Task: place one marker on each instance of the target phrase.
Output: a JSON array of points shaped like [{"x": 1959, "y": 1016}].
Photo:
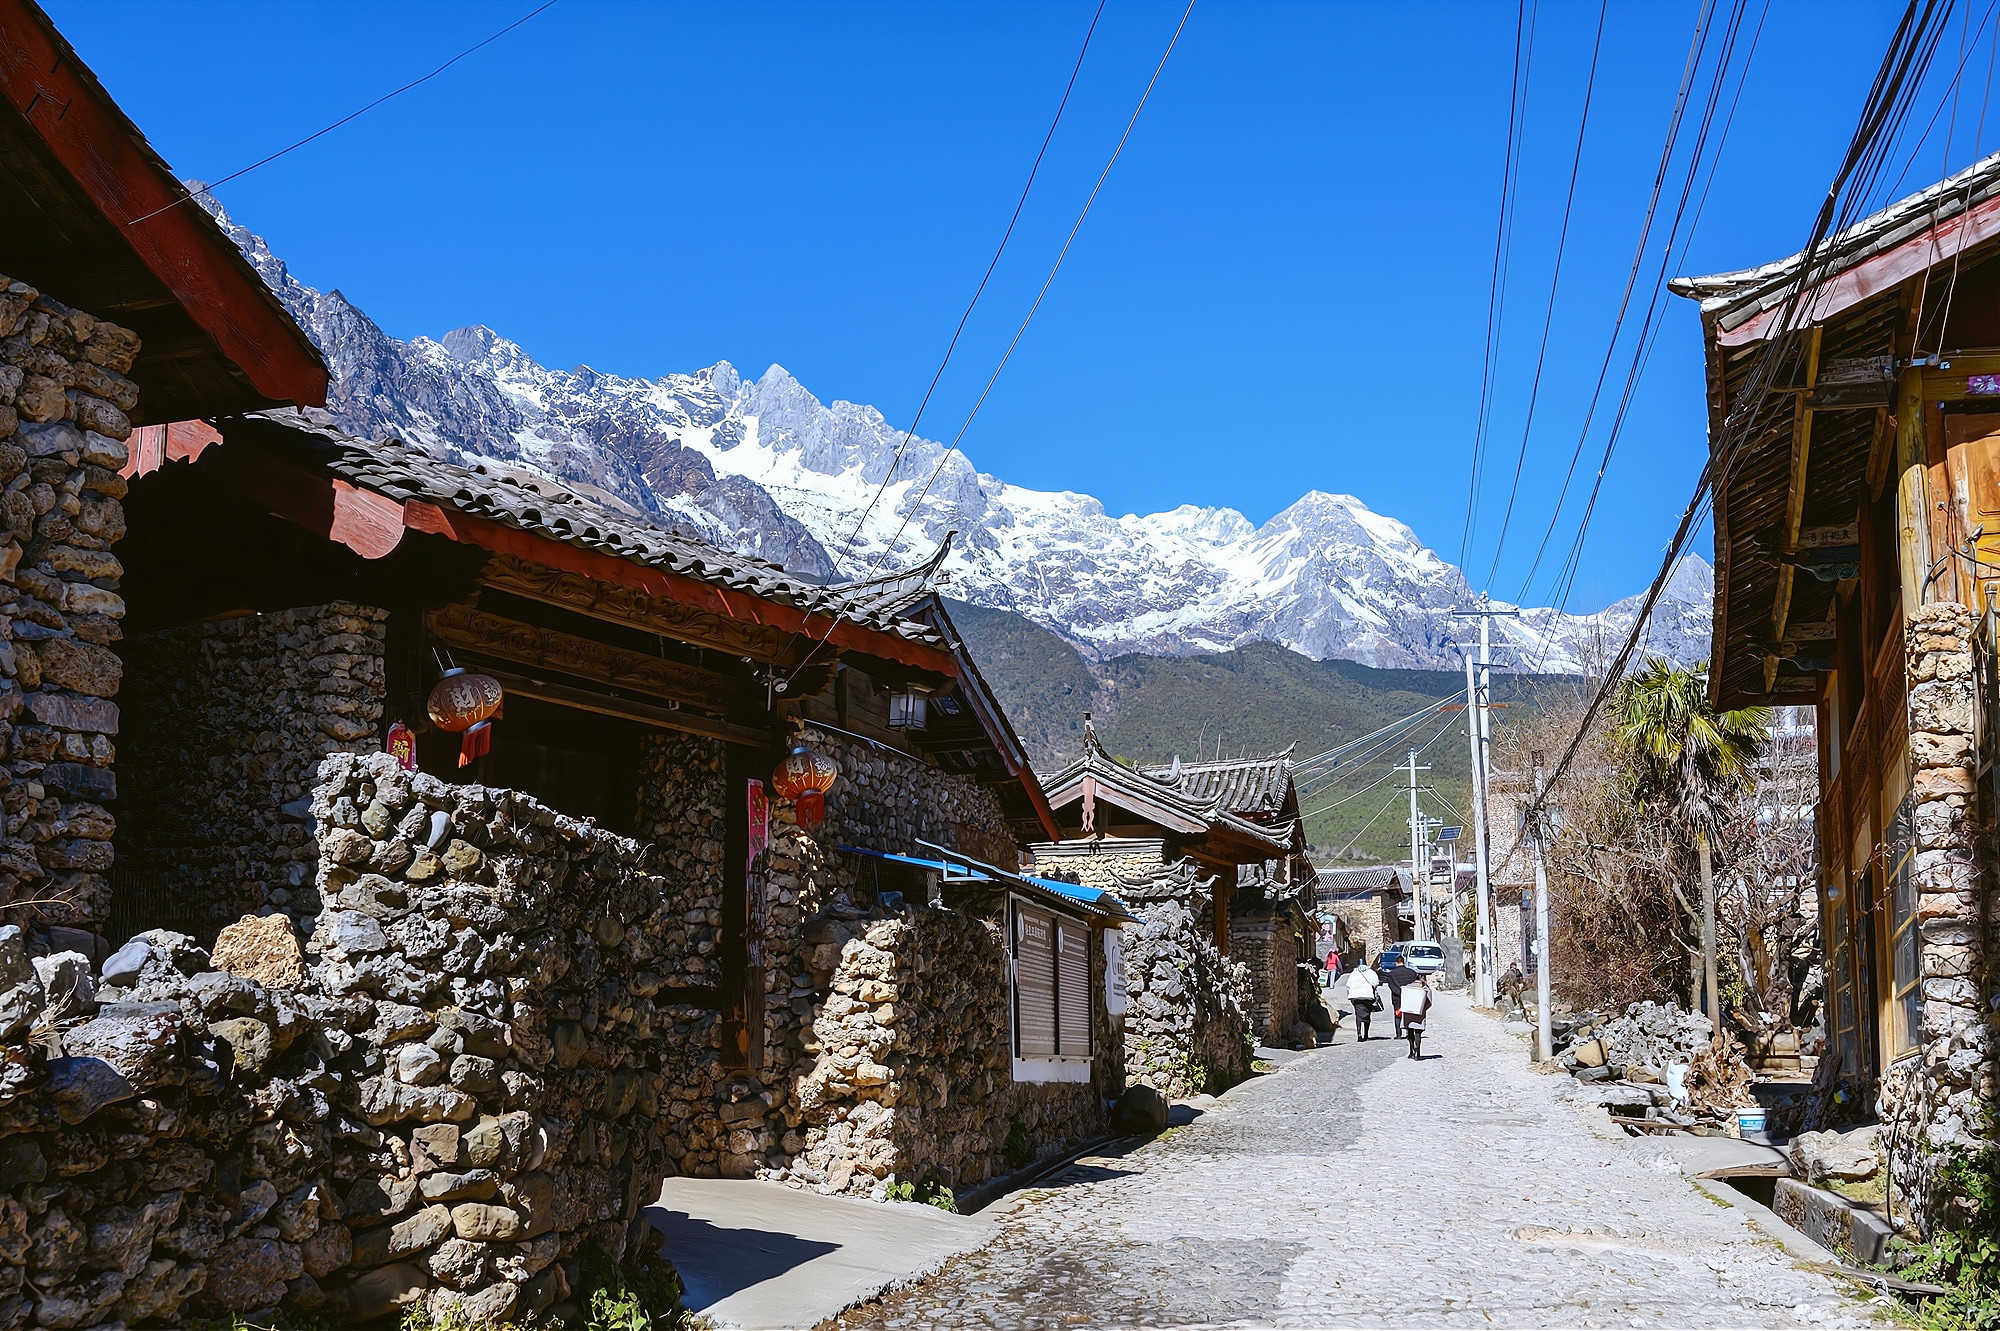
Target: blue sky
[{"x": 1282, "y": 287}]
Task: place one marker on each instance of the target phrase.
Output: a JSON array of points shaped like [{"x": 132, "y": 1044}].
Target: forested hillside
[{"x": 1257, "y": 699}]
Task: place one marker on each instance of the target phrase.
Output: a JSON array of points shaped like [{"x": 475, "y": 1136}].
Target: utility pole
[
  {"x": 1478, "y": 695},
  {"x": 1708, "y": 929},
  {"x": 1420, "y": 869},
  {"x": 1543, "y": 1043}
]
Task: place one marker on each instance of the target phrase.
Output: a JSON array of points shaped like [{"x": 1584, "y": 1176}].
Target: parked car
[
  {"x": 1390, "y": 955},
  {"x": 1423, "y": 958}
]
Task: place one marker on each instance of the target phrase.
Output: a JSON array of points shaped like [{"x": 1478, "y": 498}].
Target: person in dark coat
[{"x": 1395, "y": 979}]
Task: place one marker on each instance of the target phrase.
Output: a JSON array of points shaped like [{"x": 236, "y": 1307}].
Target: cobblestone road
[{"x": 1358, "y": 1188}]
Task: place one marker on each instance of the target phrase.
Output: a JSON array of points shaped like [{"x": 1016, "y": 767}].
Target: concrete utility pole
[
  {"x": 1478, "y": 697},
  {"x": 1708, "y": 929},
  {"x": 1420, "y": 868},
  {"x": 1543, "y": 1042}
]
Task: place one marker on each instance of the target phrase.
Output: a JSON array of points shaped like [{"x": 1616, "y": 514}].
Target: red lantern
[
  {"x": 463, "y": 702},
  {"x": 804, "y": 777}
]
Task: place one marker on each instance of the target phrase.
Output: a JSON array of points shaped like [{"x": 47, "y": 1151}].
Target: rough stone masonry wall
[
  {"x": 225, "y": 724},
  {"x": 63, "y": 426},
  {"x": 1187, "y": 1016},
  {"x": 683, "y": 793},
  {"x": 451, "y": 1094},
  {"x": 1264, "y": 938},
  {"x": 886, "y": 1033},
  {"x": 1938, "y": 1104}
]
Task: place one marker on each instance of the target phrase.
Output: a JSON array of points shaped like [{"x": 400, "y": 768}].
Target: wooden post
[{"x": 1913, "y": 519}]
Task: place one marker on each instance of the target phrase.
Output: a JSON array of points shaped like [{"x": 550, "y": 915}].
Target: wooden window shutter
[
  {"x": 1072, "y": 988},
  {"x": 1034, "y": 984}
]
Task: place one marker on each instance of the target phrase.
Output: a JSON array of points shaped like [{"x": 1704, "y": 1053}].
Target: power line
[
  {"x": 1033, "y": 171},
  {"x": 1495, "y": 293},
  {"x": 1695, "y": 47},
  {"x": 1567, "y": 573},
  {"x": 1910, "y": 49},
  {"x": 1555, "y": 285},
  {"x": 911, "y": 507},
  {"x": 1391, "y": 772},
  {"x": 209, "y": 189},
  {"x": 985, "y": 278}
]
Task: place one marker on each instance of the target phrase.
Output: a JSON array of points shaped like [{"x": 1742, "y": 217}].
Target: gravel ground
[{"x": 1355, "y": 1187}]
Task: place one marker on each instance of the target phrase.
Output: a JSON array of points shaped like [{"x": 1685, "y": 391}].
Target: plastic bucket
[{"x": 1749, "y": 1120}]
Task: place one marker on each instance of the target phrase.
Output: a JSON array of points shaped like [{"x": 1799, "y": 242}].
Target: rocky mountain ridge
[{"x": 764, "y": 466}]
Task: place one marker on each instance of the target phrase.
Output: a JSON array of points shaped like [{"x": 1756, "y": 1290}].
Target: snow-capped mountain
[{"x": 764, "y": 466}]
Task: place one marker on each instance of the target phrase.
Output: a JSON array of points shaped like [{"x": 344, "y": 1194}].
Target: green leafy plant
[
  {"x": 929, "y": 1193},
  {"x": 1963, "y": 1254},
  {"x": 1019, "y": 1148}
]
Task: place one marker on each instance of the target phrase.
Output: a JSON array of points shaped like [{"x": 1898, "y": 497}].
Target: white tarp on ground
[{"x": 762, "y": 1255}]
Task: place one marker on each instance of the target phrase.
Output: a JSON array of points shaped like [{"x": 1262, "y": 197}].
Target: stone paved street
[{"x": 1357, "y": 1188}]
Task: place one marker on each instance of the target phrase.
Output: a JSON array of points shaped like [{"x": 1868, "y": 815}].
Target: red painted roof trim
[
  {"x": 106, "y": 155},
  {"x": 503, "y": 539}
]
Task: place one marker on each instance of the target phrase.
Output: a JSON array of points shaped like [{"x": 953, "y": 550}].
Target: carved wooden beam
[
  {"x": 504, "y": 639},
  {"x": 631, "y": 609}
]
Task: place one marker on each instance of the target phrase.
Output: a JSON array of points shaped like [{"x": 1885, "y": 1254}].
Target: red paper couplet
[{"x": 402, "y": 746}]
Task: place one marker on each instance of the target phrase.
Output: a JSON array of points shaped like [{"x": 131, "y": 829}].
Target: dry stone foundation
[
  {"x": 886, "y": 1024},
  {"x": 1187, "y": 1023},
  {"x": 1938, "y": 1104},
  {"x": 225, "y": 724},
  {"x": 446, "y": 1096},
  {"x": 64, "y": 401}
]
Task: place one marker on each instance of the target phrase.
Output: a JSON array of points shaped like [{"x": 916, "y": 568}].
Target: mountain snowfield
[{"x": 764, "y": 466}]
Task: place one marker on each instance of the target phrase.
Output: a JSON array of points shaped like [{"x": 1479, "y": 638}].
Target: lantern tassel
[{"x": 475, "y": 743}]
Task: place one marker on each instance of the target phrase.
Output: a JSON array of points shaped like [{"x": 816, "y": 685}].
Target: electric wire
[
  {"x": 1688, "y": 71},
  {"x": 1022, "y": 202},
  {"x": 1555, "y": 287},
  {"x": 951, "y": 347},
  {"x": 1495, "y": 291},
  {"x": 1904, "y": 62},
  {"x": 209, "y": 189}
]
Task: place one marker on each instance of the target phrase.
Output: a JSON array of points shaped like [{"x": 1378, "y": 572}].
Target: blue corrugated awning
[
  {"x": 1090, "y": 895},
  {"x": 1092, "y": 901},
  {"x": 956, "y": 870}
]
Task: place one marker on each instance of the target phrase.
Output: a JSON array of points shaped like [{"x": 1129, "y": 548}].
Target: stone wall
[
  {"x": 225, "y": 724},
  {"x": 447, "y": 1097},
  {"x": 63, "y": 423},
  {"x": 1187, "y": 1018},
  {"x": 886, "y": 1053},
  {"x": 1938, "y": 1104},
  {"x": 1264, "y": 937},
  {"x": 1099, "y": 863}
]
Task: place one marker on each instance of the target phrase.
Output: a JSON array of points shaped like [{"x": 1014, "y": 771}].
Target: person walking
[
  {"x": 1363, "y": 990},
  {"x": 1332, "y": 967},
  {"x": 1397, "y": 979},
  {"x": 1416, "y": 1007}
]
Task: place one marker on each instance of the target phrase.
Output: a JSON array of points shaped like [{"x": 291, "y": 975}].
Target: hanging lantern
[
  {"x": 804, "y": 777},
  {"x": 465, "y": 704}
]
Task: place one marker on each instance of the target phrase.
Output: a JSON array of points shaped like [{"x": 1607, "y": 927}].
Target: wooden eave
[
  {"x": 76, "y": 177},
  {"x": 1801, "y": 465}
]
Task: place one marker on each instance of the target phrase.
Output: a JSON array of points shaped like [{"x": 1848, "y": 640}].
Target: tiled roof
[
  {"x": 1363, "y": 878},
  {"x": 1154, "y": 795},
  {"x": 1732, "y": 298},
  {"x": 1246, "y": 786},
  {"x": 544, "y": 508}
]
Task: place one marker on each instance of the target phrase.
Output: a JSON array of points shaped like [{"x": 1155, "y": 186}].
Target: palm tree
[
  {"x": 1691, "y": 758},
  {"x": 1690, "y": 761}
]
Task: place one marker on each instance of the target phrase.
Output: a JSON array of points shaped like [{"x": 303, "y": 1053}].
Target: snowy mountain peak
[{"x": 767, "y": 467}]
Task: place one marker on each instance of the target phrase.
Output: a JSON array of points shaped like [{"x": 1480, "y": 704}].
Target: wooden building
[{"x": 1854, "y": 408}]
